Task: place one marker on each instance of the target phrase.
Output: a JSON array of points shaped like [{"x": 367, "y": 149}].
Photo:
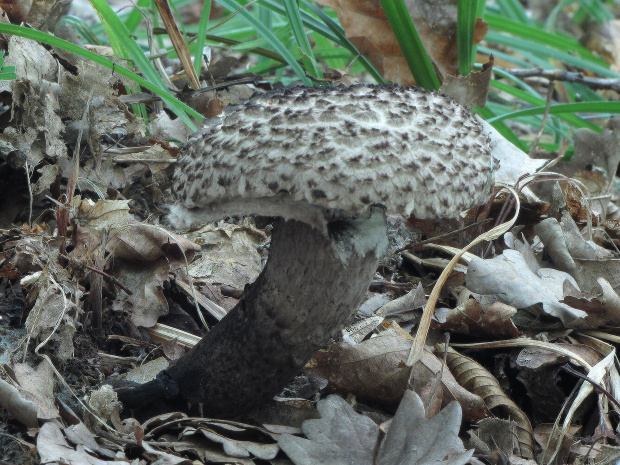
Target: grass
[
  {"x": 300, "y": 40},
  {"x": 410, "y": 43}
]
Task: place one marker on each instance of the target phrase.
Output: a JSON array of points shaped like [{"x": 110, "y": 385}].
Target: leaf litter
[{"x": 552, "y": 279}]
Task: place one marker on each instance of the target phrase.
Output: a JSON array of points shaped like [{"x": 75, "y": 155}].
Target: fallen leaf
[
  {"x": 375, "y": 371},
  {"x": 366, "y": 26},
  {"x": 53, "y": 447},
  {"x": 20, "y": 408},
  {"x": 508, "y": 276},
  {"x": 342, "y": 437}
]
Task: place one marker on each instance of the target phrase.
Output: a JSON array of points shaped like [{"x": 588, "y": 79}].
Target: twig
[
  {"x": 107, "y": 278},
  {"x": 567, "y": 76},
  {"x": 30, "y": 196},
  {"x": 442, "y": 236},
  {"x": 224, "y": 85},
  {"x": 141, "y": 160},
  {"x": 594, "y": 384},
  {"x": 550, "y": 89}
]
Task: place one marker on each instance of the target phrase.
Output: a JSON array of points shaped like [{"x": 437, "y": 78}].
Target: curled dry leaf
[
  {"x": 147, "y": 301},
  {"x": 37, "y": 385},
  {"x": 586, "y": 261},
  {"x": 33, "y": 98},
  {"x": 495, "y": 434},
  {"x": 478, "y": 316},
  {"x": 472, "y": 376},
  {"x": 598, "y": 374},
  {"x": 143, "y": 255},
  {"x": 162, "y": 127},
  {"x": 52, "y": 315}
]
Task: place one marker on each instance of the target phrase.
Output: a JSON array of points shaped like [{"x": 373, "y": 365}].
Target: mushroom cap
[{"x": 410, "y": 150}]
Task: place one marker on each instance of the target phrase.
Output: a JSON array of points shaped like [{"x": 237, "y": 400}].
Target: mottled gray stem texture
[{"x": 303, "y": 297}]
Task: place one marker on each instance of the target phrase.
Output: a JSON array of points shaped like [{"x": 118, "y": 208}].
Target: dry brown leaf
[
  {"x": 17, "y": 10},
  {"x": 366, "y": 26},
  {"x": 341, "y": 436},
  {"x": 230, "y": 254},
  {"x": 37, "y": 385},
  {"x": 470, "y": 317},
  {"x": 538, "y": 372},
  {"x": 592, "y": 267},
  {"x": 147, "y": 303},
  {"x": 213, "y": 440},
  {"x": 547, "y": 437},
  {"x": 472, "y": 376},
  {"x": 470, "y": 90},
  {"x": 34, "y": 103},
  {"x": 54, "y": 448},
  {"x": 9, "y": 271},
  {"x": 20, "y": 408},
  {"x": 509, "y": 277},
  {"x": 375, "y": 371},
  {"x": 51, "y": 318},
  {"x": 162, "y": 127},
  {"x": 495, "y": 434},
  {"x": 140, "y": 242},
  {"x": 593, "y": 164}
]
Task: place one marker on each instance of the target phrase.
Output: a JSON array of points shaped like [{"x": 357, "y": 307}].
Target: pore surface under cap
[{"x": 413, "y": 151}]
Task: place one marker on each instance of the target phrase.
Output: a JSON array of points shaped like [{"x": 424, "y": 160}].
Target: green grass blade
[
  {"x": 542, "y": 50},
  {"x": 538, "y": 101},
  {"x": 594, "y": 9},
  {"x": 556, "y": 40},
  {"x": 410, "y": 44},
  {"x": 134, "y": 18},
  {"x": 580, "y": 107},
  {"x": 81, "y": 27},
  {"x": 201, "y": 36},
  {"x": 179, "y": 108},
  {"x": 278, "y": 46},
  {"x": 520, "y": 82},
  {"x": 329, "y": 29},
  {"x": 340, "y": 38},
  {"x": 270, "y": 54},
  {"x": 519, "y": 62},
  {"x": 120, "y": 34},
  {"x": 465, "y": 25},
  {"x": 265, "y": 16},
  {"x": 553, "y": 16},
  {"x": 514, "y": 10},
  {"x": 307, "y": 55}
]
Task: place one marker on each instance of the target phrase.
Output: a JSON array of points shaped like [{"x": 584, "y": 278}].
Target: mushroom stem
[{"x": 309, "y": 289}]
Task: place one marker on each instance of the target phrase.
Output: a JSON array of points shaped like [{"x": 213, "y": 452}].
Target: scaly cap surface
[{"x": 413, "y": 151}]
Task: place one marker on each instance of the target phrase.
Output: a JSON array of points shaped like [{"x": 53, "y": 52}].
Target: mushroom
[{"x": 328, "y": 161}]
